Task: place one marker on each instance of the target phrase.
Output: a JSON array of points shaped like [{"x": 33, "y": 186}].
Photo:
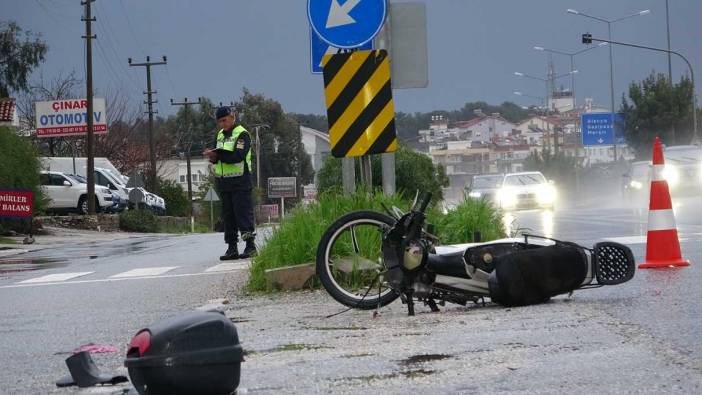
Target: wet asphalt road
[
  {"x": 43, "y": 321},
  {"x": 642, "y": 336}
]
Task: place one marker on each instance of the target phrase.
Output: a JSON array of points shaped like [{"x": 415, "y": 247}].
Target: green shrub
[
  {"x": 176, "y": 198},
  {"x": 19, "y": 169},
  {"x": 295, "y": 240},
  {"x": 138, "y": 221},
  {"x": 471, "y": 215}
]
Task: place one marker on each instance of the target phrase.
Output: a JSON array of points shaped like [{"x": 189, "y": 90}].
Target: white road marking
[
  {"x": 109, "y": 280},
  {"x": 628, "y": 239},
  {"x": 214, "y": 304},
  {"x": 225, "y": 267},
  {"x": 52, "y": 278},
  {"x": 144, "y": 272}
]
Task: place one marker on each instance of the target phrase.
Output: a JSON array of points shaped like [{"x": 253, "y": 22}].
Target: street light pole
[
  {"x": 695, "y": 137},
  {"x": 572, "y": 63},
  {"x": 611, "y": 62}
]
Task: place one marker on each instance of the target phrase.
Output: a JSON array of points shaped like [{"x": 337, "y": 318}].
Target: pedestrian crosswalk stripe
[
  {"x": 50, "y": 278},
  {"x": 144, "y": 272},
  {"x": 223, "y": 267}
]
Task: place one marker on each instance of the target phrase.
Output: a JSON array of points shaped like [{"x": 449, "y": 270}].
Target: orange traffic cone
[{"x": 662, "y": 244}]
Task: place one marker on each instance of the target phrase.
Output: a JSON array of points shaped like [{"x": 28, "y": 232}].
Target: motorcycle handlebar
[{"x": 425, "y": 202}]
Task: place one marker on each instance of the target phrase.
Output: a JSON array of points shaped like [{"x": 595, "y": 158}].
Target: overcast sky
[{"x": 216, "y": 47}]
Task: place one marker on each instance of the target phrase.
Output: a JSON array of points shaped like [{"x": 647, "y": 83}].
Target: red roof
[
  {"x": 7, "y": 110},
  {"x": 477, "y": 120}
]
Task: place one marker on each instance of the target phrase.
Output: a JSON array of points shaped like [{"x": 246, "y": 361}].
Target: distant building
[
  {"x": 485, "y": 128},
  {"x": 177, "y": 170},
  {"x": 8, "y": 113},
  {"x": 317, "y": 146}
]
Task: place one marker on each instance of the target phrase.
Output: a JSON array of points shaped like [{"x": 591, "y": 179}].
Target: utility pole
[
  {"x": 150, "y": 102},
  {"x": 189, "y": 144},
  {"x": 256, "y": 128},
  {"x": 89, "y": 91},
  {"x": 670, "y": 64}
]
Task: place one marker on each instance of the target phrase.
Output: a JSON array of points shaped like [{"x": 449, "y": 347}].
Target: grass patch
[
  {"x": 5, "y": 240},
  {"x": 295, "y": 240},
  {"x": 182, "y": 229}
]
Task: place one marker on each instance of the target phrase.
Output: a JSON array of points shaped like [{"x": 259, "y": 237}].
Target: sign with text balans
[
  {"x": 282, "y": 187},
  {"x": 69, "y": 117},
  {"x": 16, "y": 204}
]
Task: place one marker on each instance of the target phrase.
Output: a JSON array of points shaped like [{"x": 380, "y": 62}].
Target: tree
[
  {"x": 19, "y": 169},
  {"x": 413, "y": 171},
  {"x": 18, "y": 57},
  {"x": 653, "y": 106},
  {"x": 281, "y": 150},
  {"x": 176, "y": 199}
]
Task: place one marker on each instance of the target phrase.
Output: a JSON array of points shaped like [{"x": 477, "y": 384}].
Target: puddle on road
[
  {"x": 421, "y": 358},
  {"x": 405, "y": 373},
  {"x": 29, "y": 264}
]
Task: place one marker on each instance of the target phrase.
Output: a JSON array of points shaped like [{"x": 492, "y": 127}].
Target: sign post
[
  {"x": 211, "y": 196},
  {"x": 282, "y": 187}
]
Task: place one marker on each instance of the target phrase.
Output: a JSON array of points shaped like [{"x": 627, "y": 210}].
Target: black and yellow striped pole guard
[{"x": 358, "y": 96}]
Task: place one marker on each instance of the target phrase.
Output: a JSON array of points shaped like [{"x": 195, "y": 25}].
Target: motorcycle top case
[{"x": 193, "y": 353}]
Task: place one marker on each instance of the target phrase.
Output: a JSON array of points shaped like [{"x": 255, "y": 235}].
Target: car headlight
[
  {"x": 474, "y": 194},
  {"x": 636, "y": 184},
  {"x": 671, "y": 174},
  {"x": 105, "y": 191},
  {"x": 507, "y": 197},
  {"x": 546, "y": 194}
]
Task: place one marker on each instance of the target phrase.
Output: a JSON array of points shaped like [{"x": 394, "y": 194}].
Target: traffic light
[{"x": 587, "y": 38}]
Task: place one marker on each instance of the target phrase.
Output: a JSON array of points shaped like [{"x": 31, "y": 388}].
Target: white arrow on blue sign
[
  {"x": 346, "y": 23},
  {"x": 319, "y": 48}
]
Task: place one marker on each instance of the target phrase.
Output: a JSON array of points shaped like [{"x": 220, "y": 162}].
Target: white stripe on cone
[
  {"x": 661, "y": 220},
  {"x": 658, "y": 173}
]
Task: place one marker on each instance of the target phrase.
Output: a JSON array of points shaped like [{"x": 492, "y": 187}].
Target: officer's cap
[{"x": 223, "y": 112}]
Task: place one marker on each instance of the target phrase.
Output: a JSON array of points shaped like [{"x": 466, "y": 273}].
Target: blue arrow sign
[
  {"x": 319, "y": 48},
  {"x": 597, "y": 128},
  {"x": 346, "y": 23}
]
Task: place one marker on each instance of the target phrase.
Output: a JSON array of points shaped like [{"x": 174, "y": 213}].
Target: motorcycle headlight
[
  {"x": 671, "y": 174},
  {"x": 474, "y": 194}
]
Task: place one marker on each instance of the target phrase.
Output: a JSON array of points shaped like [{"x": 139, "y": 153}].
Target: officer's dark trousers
[{"x": 237, "y": 213}]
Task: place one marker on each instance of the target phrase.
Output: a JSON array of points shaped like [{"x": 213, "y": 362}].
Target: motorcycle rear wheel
[{"x": 349, "y": 260}]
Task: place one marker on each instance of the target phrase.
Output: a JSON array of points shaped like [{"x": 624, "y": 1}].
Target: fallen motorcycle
[{"x": 367, "y": 259}]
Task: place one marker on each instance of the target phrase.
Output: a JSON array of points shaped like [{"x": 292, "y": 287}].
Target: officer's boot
[
  {"x": 250, "y": 249},
  {"x": 231, "y": 254}
]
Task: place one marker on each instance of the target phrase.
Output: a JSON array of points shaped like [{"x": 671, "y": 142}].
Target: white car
[
  {"x": 68, "y": 193},
  {"x": 526, "y": 190}
]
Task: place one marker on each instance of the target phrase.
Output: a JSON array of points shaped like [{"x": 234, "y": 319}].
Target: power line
[{"x": 131, "y": 29}]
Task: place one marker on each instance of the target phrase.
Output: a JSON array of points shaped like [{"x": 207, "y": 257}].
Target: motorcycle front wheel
[{"x": 349, "y": 260}]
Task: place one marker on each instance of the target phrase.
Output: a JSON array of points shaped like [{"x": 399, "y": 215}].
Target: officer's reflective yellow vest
[{"x": 222, "y": 169}]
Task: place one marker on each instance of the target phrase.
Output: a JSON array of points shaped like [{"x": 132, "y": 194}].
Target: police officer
[{"x": 231, "y": 161}]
